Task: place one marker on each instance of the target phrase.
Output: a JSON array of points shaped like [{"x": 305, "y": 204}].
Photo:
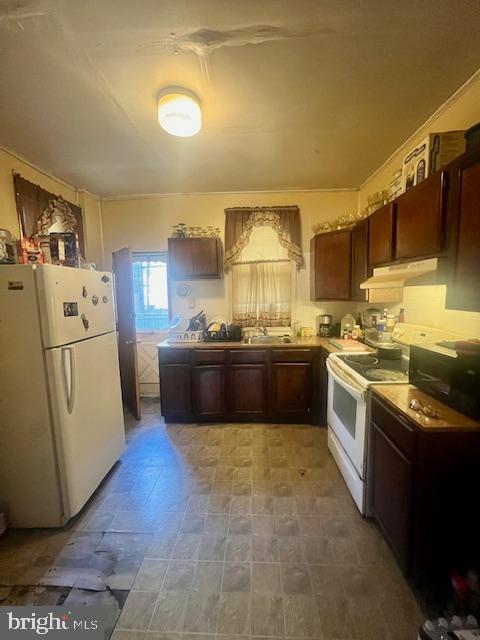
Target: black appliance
[
  {"x": 231, "y": 333},
  {"x": 452, "y": 378}
]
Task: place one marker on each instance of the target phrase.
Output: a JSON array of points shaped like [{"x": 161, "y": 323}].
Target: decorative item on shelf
[
  {"x": 179, "y": 230},
  {"x": 434, "y": 152},
  {"x": 41, "y": 213},
  {"x": 182, "y": 231},
  {"x": 396, "y": 185},
  {"x": 342, "y": 222},
  {"x": 28, "y": 251},
  {"x": 7, "y": 247}
]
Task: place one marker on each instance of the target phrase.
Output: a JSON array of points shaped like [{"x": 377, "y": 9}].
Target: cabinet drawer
[
  {"x": 174, "y": 356},
  {"x": 209, "y": 356},
  {"x": 395, "y": 426},
  {"x": 292, "y": 355},
  {"x": 248, "y": 356}
]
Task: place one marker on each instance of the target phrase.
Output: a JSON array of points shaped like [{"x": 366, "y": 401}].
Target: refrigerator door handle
[{"x": 69, "y": 376}]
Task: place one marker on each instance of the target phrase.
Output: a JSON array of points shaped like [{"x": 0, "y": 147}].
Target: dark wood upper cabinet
[
  {"x": 360, "y": 271},
  {"x": 420, "y": 217},
  {"x": 463, "y": 290},
  {"x": 195, "y": 258},
  {"x": 209, "y": 391},
  {"x": 381, "y": 235},
  {"x": 330, "y": 265}
]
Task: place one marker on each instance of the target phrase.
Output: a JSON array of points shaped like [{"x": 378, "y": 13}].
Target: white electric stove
[{"x": 350, "y": 378}]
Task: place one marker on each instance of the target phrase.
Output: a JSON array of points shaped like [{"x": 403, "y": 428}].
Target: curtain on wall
[
  {"x": 262, "y": 294},
  {"x": 239, "y": 222},
  {"x": 39, "y": 211}
]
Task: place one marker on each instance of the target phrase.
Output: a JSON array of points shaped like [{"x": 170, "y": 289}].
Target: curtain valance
[
  {"x": 39, "y": 210},
  {"x": 239, "y": 222}
]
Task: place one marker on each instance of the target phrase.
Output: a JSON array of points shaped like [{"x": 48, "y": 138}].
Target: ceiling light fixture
[{"x": 179, "y": 112}]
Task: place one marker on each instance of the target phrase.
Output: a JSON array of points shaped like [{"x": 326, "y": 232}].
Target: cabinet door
[
  {"x": 175, "y": 392},
  {"x": 420, "y": 219},
  {"x": 291, "y": 393},
  {"x": 330, "y": 266},
  {"x": 247, "y": 391},
  {"x": 380, "y": 235},
  {"x": 323, "y": 391},
  {"x": 391, "y": 494},
  {"x": 209, "y": 392},
  {"x": 194, "y": 258},
  {"x": 463, "y": 290},
  {"x": 360, "y": 269}
]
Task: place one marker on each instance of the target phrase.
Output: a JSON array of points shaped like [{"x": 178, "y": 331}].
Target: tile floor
[{"x": 219, "y": 532}]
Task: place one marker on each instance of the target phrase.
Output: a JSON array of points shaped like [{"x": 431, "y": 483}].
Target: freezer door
[
  {"x": 88, "y": 417},
  {"x": 74, "y": 304}
]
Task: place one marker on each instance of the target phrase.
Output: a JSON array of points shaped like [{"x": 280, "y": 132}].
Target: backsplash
[{"x": 426, "y": 305}]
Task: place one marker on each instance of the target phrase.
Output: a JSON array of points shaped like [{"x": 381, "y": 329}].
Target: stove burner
[
  {"x": 387, "y": 374},
  {"x": 365, "y": 361}
]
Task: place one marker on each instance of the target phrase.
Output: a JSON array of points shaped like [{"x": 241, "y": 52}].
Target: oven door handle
[{"x": 354, "y": 391}]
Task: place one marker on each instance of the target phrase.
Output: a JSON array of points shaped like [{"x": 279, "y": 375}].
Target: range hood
[{"x": 397, "y": 275}]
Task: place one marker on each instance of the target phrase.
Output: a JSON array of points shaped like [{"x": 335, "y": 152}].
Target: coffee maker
[{"x": 325, "y": 326}]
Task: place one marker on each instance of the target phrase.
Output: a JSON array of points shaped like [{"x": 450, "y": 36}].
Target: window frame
[{"x": 163, "y": 255}]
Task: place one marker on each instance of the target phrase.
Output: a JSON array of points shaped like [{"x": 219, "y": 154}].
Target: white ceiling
[{"x": 296, "y": 94}]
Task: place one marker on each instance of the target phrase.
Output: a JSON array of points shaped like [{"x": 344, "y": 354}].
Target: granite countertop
[
  {"x": 400, "y": 395},
  {"x": 296, "y": 343}
]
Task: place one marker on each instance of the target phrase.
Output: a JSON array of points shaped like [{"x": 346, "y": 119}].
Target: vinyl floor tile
[{"x": 220, "y": 532}]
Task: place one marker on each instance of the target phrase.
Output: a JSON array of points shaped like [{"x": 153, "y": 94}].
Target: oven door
[{"x": 347, "y": 417}]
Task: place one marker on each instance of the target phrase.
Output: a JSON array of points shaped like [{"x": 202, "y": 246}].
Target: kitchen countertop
[
  {"x": 315, "y": 341},
  {"x": 400, "y": 395}
]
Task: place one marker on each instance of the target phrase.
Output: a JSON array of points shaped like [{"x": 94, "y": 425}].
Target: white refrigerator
[{"x": 61, "y": 418}]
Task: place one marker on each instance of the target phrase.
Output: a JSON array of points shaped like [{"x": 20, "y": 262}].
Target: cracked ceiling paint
[{"x": 303, "y": 95}]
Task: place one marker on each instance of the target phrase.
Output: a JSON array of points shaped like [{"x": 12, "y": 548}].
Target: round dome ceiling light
[{"x": 179, "y": 112}]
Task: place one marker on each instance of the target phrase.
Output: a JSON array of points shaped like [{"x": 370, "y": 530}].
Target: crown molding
[{"x": 430, "y": 120}]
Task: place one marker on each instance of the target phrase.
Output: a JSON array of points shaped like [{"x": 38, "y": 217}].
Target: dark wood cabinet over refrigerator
[{"x": 195, "y": 258}]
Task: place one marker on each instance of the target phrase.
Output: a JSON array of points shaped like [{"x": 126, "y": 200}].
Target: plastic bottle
[{"x": 347, "y": 325}]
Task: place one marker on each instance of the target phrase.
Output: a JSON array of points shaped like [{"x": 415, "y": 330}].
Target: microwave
[{"x": 448, "y": 377}]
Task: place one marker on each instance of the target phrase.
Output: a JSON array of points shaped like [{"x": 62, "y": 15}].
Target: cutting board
[{"x": 347, "y": 345}]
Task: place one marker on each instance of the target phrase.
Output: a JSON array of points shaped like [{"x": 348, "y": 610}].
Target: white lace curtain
[{"x": 262, "y": 293}]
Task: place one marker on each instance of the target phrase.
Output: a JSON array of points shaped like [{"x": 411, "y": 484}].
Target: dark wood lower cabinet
[
  {"x": 392, "y": 493},
  {"x": 291, "y": 391},
  {"x": 322, "y": 396},
  {"x": 423, "y": 484},
  {"x": 176, "y": 392},
  {"x": 209, "y": 391},
  {"x": 247, "y": 392},
  {"x": 241, "y": 385}
]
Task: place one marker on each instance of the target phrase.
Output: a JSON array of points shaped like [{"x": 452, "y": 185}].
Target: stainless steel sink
[{"x": 268, "y": 340}]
